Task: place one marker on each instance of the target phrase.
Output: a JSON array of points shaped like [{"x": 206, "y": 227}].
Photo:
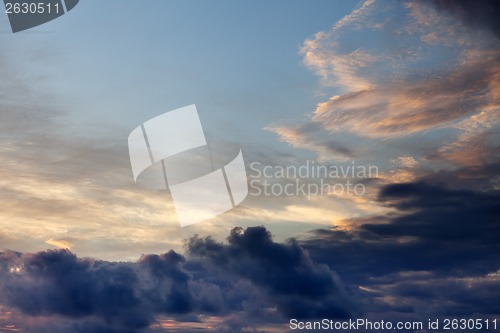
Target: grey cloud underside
[
  {"x": 251, "y": 274},
  {"x": 447, "y": 229},
  {"x": 300, "y": 287}
]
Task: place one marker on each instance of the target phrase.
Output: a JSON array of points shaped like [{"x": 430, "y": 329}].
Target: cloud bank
[{"x": 251, "y": 274}]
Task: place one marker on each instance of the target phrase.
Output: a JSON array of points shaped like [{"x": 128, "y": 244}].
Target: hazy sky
[
  {"x": 83, "y": 82},
  {"x": 410, "y": 88}
]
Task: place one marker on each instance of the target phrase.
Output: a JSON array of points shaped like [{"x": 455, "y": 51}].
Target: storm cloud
[
  {"x": 300, "y": 287},
  {"x": 250, "y": 273},
  {"x": 123, "y": 295}
]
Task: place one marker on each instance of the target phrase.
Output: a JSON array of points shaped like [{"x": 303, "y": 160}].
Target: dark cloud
[
  {"x": 237, "y": 325},
  {"x": 436, "y": 252},
  {"x": 477, "y": 14},
  {"x": 125, "y": 297},
  {"x": 482, "y": 179},
  {"x": 449, "y": 296},
  {"x": 300, "y": 287},
  {"x": 251, "y": 274},
  {"x": 439, "y": 213},
  {"x": 433, "y": 227},
  {"x": 57, "y": 282}
]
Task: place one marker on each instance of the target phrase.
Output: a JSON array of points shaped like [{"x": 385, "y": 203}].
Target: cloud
[
  {"x": 434, "y": 254},
  {"x": 300, "y": 287},
  {"x": 247, "y": 277},
  {"x": 481, "y": 15},
  {"x": 431, "y": 228},
  {"x": 322, "y": 54},
  {"x": 60, "y": 243},
  {"x": 439, "y": 213},
  {"x": 302, "y": 137},
  {"x": 402, "y": 70},
  {"x": 399, "y": 262},
  {"x": 476, "y": 145},
  {"x": 415, "y": 107},
  {"x": 71, "y": 178},
  {"x": 462, "y": 295},
  {"x": 117, "y": 296}
]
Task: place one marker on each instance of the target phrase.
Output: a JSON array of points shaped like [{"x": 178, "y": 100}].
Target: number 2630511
[{"x": 31, "y": 8}]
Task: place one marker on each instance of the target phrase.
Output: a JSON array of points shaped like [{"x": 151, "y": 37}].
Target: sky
[{"x": 370, "y": 134}]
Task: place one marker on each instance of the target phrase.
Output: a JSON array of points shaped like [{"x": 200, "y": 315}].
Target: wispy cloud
[
  {"x": 417, "y": 106},
  {"x": 429, "y": 73},
  {"x": 303, "y": 137}
]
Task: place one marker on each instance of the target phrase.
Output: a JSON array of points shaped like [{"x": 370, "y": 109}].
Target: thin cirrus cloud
[{"x": 305, "y": 137}]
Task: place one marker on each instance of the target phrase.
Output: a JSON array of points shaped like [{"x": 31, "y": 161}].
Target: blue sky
[{"x": 409, "y": 87}]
